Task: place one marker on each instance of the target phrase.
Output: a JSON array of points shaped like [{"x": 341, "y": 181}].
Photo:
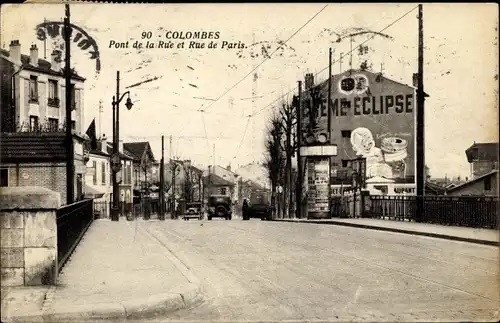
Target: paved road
[{"x": 272, "y": 271}]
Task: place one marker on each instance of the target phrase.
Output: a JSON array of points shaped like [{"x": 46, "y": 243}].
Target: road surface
[{"x": 274, "y": 271}]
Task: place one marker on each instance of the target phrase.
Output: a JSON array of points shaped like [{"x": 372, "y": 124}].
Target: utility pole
[
  {"x": 115, "y": 216},
  {"x": 70, "y": 183},
  {"x": 162, "y": 181},
  {"x": 330, "y": 128},
  {"x": 300, "y": 179},
  {"x": 420, "y": 121}
]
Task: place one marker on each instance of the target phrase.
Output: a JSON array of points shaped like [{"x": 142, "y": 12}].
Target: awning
[{"x": 92, "y": 192}]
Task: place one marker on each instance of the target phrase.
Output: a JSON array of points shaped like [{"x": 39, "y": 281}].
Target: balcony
[{"x": 53, "y": 102}]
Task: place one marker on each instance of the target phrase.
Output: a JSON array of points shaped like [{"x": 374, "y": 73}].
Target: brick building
[{"x": 39, "y": 159}]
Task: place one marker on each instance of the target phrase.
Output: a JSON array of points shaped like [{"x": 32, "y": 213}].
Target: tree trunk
[{"x": 288, "y": 169}]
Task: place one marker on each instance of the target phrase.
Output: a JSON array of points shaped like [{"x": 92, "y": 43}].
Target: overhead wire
[
  {"x": 265, "y": 59},
  {"x": 270, "y": 105}
]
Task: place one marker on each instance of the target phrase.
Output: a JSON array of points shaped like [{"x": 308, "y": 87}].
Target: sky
[{"x": 460, "y": 69}]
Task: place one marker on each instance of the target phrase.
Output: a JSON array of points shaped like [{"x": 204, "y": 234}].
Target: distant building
[
  {"x": 143, "y": 161},
  {"x": 483, "y": 158},
  {"x": 484, "y": 185},
  {"x": 216, "y": 185}
]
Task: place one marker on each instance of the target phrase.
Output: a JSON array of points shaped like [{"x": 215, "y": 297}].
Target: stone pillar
[{"x": 28, "y": 236}]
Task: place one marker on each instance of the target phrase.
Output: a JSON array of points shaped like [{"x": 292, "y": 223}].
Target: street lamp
[{"x": 115, "y": 158}]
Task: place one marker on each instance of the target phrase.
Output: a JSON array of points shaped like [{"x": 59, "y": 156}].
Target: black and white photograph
[{"x": 249, "y": 162}]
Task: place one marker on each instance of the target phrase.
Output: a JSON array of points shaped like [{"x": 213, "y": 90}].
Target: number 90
[{"x": 146, "y": 35}]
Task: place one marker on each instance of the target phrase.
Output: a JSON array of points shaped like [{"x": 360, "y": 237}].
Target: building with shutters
[
  {"x": 33, "y": 92},
  {"x": 32, "y": 111}
]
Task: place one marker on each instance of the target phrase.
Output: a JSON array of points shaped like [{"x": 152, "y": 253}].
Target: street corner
[
  {"x": 87, "y": 313},
  {"x": 153, "y": 306}
]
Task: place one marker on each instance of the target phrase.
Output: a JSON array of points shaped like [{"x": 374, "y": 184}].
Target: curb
[
  {"x": 373, "y": 227},
  {"x": 180, "y": 297}
]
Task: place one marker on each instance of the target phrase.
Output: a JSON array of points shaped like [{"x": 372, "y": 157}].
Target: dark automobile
[
  {"x": 219, "y": 206},
  {"x": 257, "y": 206}
]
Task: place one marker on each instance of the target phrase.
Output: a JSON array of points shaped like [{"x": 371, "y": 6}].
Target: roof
[
  {"x": 43, "y": 65},
  {"x": 482, "y": 152},
  {"x": 215, "y": 180},
  {"x": 136, "y": 149},
  {"x": 123, "y": 155},
  {"x": 32, "y": 147},
  {"x": 254, "y": 184},
  {"x": 475, "y": 180},
  {"x": 194, "y": 168},
  {"x": 438, "y": 189}
]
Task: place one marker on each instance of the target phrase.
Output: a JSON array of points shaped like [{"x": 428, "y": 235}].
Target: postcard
[{"x": 244, "y": 162}]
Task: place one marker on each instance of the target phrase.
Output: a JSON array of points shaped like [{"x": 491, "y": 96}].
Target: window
[
  {"x": 53, "y": 99},
  {"x": 73, "y": 97},
  {"x": 345, "y": 162},
  {"x": 487, "y": 183},
  {"x": 223, "y": 191},
  {"x": 103, "y": 173},
  {"x": 53, "y": 124},
  {"x": 94, "y": 165},
  {"x": 33, "y": 89},
  {"x": 73, "y": 125},
  {"x": 4, "y": 177},
  {"x": 33, "y": 123}
]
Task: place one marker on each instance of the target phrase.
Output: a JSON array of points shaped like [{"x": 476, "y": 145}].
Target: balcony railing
[{"x": 53, "y": 102}]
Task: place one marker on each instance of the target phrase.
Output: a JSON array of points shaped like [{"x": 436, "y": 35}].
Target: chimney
[
  {"x": 228, "y": 167},
  {"x": 104, "y": 144},
  {"x": 15, "y": 51},
  {"x": 34, "y": 55},
  {"x": 55, "y": 63},
  {"x": 309, "y": 81},
  {"x": 120, "y": 146}
]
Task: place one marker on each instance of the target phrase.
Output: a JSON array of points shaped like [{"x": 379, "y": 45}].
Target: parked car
[
  {"x": 193, "y": 211},
  {"x": 257, "y": 206},
  {"x": 219, "y": 206}
]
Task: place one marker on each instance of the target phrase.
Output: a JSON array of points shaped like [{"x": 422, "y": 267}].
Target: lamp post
[{"x": 115, "y": 158}]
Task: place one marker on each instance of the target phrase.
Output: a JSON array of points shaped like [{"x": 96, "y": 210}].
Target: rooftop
[{"x": 43, "y": 65}]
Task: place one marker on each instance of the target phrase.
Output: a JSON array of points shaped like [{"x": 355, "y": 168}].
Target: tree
[
  {"x": 274, "y": 160},
  {"x": 288, "y": 115},
  {"x": 189, "y": 181}
]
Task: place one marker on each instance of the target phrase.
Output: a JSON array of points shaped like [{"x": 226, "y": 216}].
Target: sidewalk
[
  {"x": 118, "y": 271},
  {"x": 474, "y": 235}
]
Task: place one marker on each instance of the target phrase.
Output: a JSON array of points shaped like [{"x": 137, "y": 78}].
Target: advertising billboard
[
  {"x": 373, "y": 118},
  {"x": 318, "y": 185}
]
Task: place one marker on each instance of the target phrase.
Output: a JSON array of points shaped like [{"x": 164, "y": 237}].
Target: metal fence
[
  {"x": 73, "y": 221},
  {"x": 468, "y": 211}
]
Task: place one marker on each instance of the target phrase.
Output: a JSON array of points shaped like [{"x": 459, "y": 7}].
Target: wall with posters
[{"x": 373, "y": 117}]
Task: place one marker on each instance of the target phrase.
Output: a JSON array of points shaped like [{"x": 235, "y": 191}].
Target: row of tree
[{"x": 281, "y": 145}]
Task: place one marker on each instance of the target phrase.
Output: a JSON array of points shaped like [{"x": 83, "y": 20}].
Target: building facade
[
  {"x": 38, "y": 98},
  {"x": 484, "y": 185},
  {"x": 483, "y": 158},
  {"x": 39, "y": 159}
]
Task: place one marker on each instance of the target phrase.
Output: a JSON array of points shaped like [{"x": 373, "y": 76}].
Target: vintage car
[
  {"x": 219, "y": 206},
  {"x": 193, "y": 211},
  {"x": 257, "y": 206}
]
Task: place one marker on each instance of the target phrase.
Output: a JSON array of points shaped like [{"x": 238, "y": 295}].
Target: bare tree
[
  {"x": 274, "y": 161},
  {"x": 288, "y": 118},
  {"x": 189, "y": 181}
]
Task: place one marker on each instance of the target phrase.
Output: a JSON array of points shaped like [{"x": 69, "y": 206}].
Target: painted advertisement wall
[{"x": 373, "y": 117}]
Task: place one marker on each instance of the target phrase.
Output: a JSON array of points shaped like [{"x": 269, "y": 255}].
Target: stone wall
[{"x": 28, "y": 236}]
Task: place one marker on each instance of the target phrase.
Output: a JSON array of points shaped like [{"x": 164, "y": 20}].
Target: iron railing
[
  {"x": 73, "y": 221},
  {"x": 467, "y": 211}
]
